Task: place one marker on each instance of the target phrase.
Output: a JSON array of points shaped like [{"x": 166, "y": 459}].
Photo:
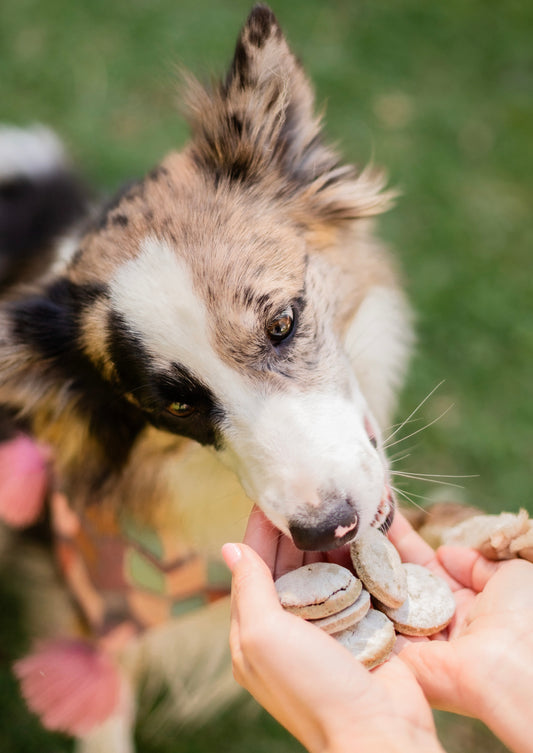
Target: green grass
[{"x": 440, "y": 93}]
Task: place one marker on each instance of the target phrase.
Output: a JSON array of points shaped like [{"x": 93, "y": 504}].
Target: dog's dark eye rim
[
  {"x": 282, "y": 326},
  {"x": 180, "y": 409}
]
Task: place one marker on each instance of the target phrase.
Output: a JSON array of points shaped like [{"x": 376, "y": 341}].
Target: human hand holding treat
[
  {"x": 479, "y": 665},
  {"x": 484, "y": 668},
  {"x": 306, "y": 680}
]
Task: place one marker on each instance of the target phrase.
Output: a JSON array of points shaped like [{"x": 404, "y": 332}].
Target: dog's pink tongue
[
  {"x": 23, "y": 481},
  {"x": 72, "y": 686}
]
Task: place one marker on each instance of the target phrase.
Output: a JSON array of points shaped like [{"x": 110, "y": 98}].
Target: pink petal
[
  {"x": 70, "y": 685},
  {"x": 23, "y": 481}
]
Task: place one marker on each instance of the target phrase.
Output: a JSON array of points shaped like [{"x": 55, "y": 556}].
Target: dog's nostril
[{"x": 330, "y": 532}]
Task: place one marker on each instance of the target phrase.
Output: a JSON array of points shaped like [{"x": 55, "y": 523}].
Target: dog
[{"x": 226, "y": 331}]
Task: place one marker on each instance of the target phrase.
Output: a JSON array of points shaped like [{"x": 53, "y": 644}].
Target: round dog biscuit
[
  {"x": 429, "y": 605},
  {"x": 371, "y": 641},
  {"x": 318, "y": 590},
  {"x": 346, "y": 617},
  {"x": 378, "y": 564}
]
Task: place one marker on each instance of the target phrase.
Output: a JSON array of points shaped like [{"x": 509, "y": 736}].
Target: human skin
[
  {"x": 484, "y": 667},
  {"x": 303, "y": 677},
  {"x": 481, "y": 665}
]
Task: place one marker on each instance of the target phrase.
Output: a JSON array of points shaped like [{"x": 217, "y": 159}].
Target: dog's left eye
[
  {"x": 281, "y": 327},
  {"x": 181, "y": 410}
]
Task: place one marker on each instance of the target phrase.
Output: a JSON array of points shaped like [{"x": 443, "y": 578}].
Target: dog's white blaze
[
  {"x": 156, "y": 295},
  {"x": 288, "y": 448}
]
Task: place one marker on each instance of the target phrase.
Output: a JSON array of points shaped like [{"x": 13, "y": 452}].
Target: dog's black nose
[{"x": 330, "y": 532}]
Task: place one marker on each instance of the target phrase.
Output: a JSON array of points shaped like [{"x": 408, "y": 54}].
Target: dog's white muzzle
[{"x": 308, "y": 462}]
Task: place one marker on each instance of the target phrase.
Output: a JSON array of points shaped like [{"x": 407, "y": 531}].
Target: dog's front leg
[{"x": 116, "y": 734}]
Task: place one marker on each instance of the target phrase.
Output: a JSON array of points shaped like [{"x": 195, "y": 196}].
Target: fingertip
[
  {"x": 468, "y": 566},
  {"x": 399, "y": 527},
  {"x": 410, "y": 545},
  {"x": 262, "y": 536},
  {"x": 232, "y": 554}
]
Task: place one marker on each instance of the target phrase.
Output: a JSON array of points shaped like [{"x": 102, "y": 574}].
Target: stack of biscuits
[{"x": 364, "y": 611}]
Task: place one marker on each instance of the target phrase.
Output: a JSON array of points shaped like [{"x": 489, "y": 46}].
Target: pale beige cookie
[
  {"x": 371, "y": 641},
  {"x": 493, "y": 535},
  {"x": 429, "y": 605},
  {"x": 318, "y": 590},
  {"x": 378, "y": 564},
  {"x": 522, "y": 546},
  {"x": 346, "y": 617}
]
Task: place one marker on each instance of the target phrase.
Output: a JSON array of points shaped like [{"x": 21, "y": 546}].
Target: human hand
[
  {"x": 302, "y": 676},
  {"x": 484, "y": 667}
]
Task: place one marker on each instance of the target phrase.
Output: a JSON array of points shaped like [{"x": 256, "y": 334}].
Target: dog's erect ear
[
  {"x": 264, "y": 71},
  {"x": 258, "y": 126}
]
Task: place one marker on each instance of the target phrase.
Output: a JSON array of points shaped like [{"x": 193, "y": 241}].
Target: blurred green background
[{"x": 439, "y": 93}]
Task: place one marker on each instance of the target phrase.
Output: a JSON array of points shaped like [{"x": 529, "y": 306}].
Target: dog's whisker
[
  {"x": 423, "y": 428},
  {"x": 423, "y": 476},
  {"x": 417, "y": 496},
  {"x": 398, "y": 425},
  {"x": 428, "y": 480},
  {"x": 398, "y": 458},
  {"x": 414, "y": 412},
  {"x": 392, "y": 457},
  {"x": 408, "y": 497}
]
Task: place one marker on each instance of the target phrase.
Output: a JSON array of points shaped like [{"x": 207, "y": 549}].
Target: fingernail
[{"x": 232, "y": 554}]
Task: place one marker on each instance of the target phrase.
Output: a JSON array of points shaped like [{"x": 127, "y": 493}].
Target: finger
[
  {"x": 410, "y": 545},
  {"x": 310, "y": 557},
  {"x": 288, "y": 557},
  {"x": 252, "y": 590},
  {"x": 467, "y": 566},
  {"x": 413, "y": 548},
  {"x": 263, "y": 537},
  {"x": 464, "y": 603},
  {"x": 432, "y": 664},
  {"x": 340, "y": 556}
]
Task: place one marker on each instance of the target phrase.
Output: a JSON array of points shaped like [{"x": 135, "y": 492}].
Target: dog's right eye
[
  {"x": 181, "y": 410},
  {"x": 282, "y": 326}
]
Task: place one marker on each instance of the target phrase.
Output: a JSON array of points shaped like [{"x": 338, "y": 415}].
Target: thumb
[{"x": 253, "y": 590}]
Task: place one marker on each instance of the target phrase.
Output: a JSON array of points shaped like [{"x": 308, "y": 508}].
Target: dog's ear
[{"x": 258, "y": 127}]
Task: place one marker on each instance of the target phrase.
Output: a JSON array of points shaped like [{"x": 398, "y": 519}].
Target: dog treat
[
  {"x": 522, "y": 546},
  {"x": 371, "y": 640},
  {"x": 408, "y": 599},
  {"x": 429, "y": 605},
  {"x": 318, "y": 590},
  {"x": 346, "y": 617},
  {"x": 379, "y": 566},
  {"x": 497, "y": 537}
]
